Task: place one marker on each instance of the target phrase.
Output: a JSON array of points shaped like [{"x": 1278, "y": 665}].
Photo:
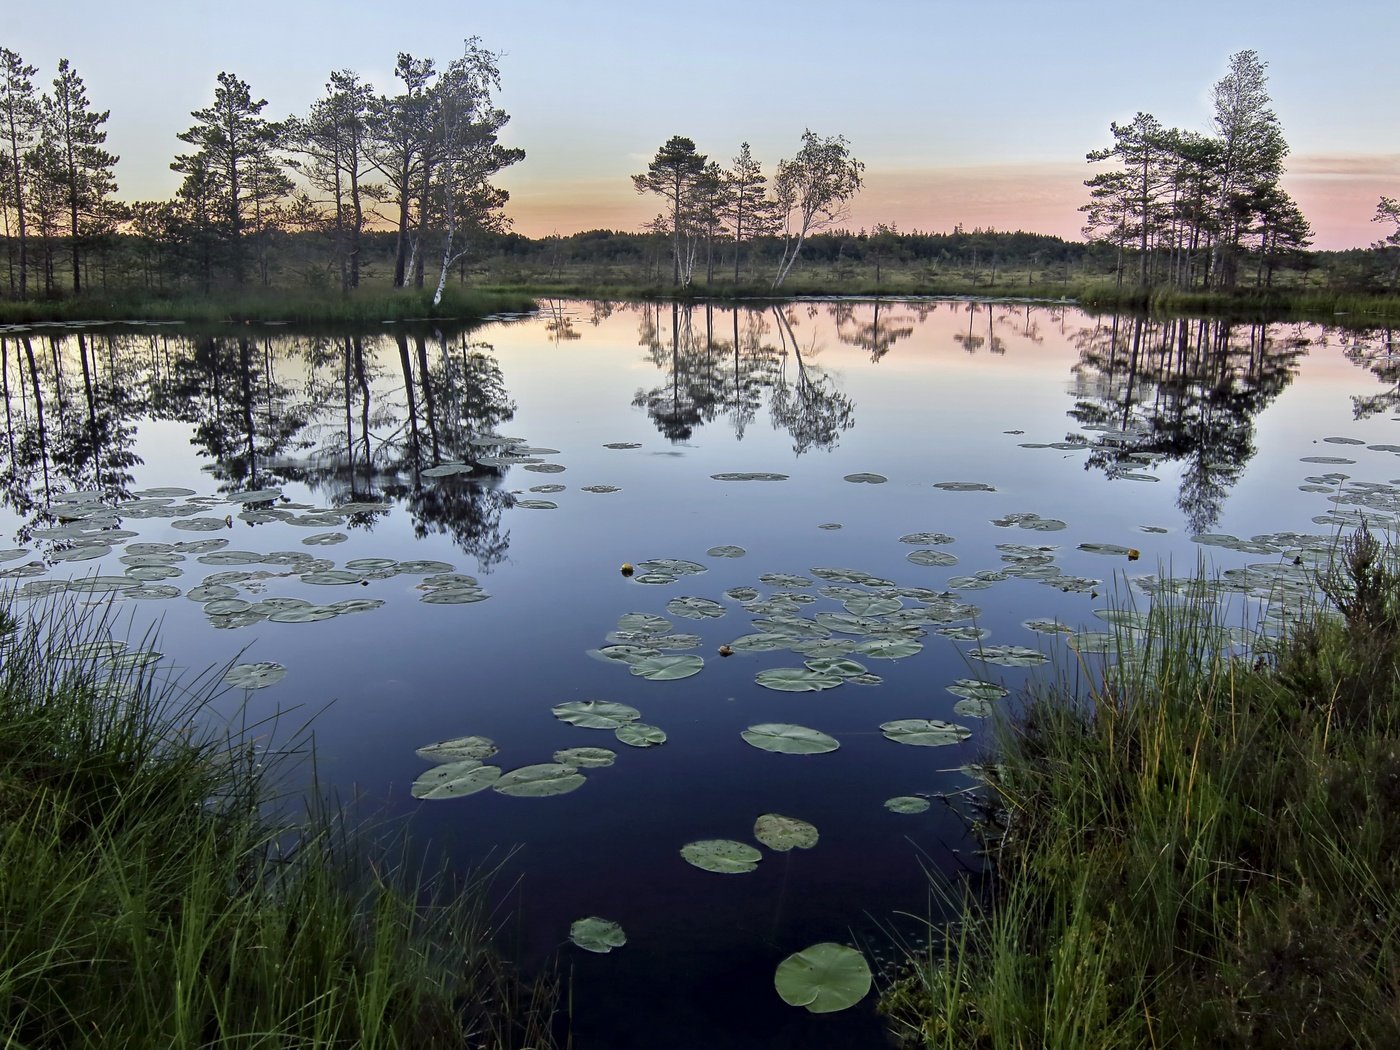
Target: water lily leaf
[
  {"x": 585, "y": 757},
  {"x": 796, "y": 680},
  {"x": 973, "y": 689},
  {"x": 726, "y": 551},
  {"x": 353, "y": 605},
  {"x": 673, "y": 567},
  {"x": 1100, "y": 642},
  {"x": 455, "y": 780},
  {"x": 974, "y": 708},
  {"x": 596, "y": 714},
  {"x": 459, "y": 748},
  {"x": 537, "y": 504},
  {"x": 254, "y": 496},
  {"x": 1130, "y": 618},
  {"x": 763, "y": 642},
  {"x": 331, "y": 577},
  {"x": 639, "y": 734},
  {"x": 454, "y": 596},
  {"x": 788, "y": 739},
  {"x": 724, "y": 856},
  {"x": 258, "y": 675},
  {"x": 870, "y": 605},
  {"x": 445, "y": 470},
  {"x": 424, "y": 567},
  {"x": 601, "y": 488},
  {"x": 1009, "y": 655},
  {"x": 668, "y": 668},
  {"x": 824, "y": 978},
  {"x": 781, "y": 833},
  {"x": 964, "y": 633},
  {"x": 547, "y": 778},
  {"x": 623, "y": 444},
  {"x": 597, "y": 935},
  {"x": 924, "y": 732},
  {"x": 932, "y": 558},
  {"x": 643, "y": 623},
  {"x": 546, "y": 468},
  {"x": 86, "y": 552},
  {"x": 200, "y": 524},
  {"x": 1112, "y": 549},
  {"x": 624, "y": 652},
  {"x": 784, "y": 579},
  {"x": 964, "y": 486},
  {"x": 839, "y": 667},
  {"x": 748, "y": 476},
  {"x": 741, "y": 594},
  {"x": 1046, "y": 625},
  {"x": 831, "y": 526},
  {"x": 153, "y": 573},
  {"x": 867, "y": 479},
  {"x": 548, "y": 488},
  {"x": 132, "y": 660},
  {"x": 695, "y": 608},
  {"x": 906, "y": 804},
  {"x": 153, "y": 590},
  {"x": 889, "y": 648}
]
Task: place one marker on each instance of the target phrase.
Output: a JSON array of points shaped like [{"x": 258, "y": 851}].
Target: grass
[
  {"x": 1201, "y": 851},
  {"x": 150, "y": 896}
]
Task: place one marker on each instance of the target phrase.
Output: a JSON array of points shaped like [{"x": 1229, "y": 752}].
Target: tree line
[{"x": 419, "y": 160}]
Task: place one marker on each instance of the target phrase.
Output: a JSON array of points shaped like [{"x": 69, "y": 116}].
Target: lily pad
[
  {"x": 931, "y": 558},
  {"x": 1112, "y": 549},
  {"x": 971, "y": 688},
  {"x": 866, "y": 479},
  {"x": 837, "y": 666},
  {"x": 548, "y": 488},
  {"x": 601, "y": 488},
  {"x": 668, "y": 668},
  {"x": 724, "y": 856},
  {"x": 824, "y": 978},
  {"x": 1009, "y": 655},
  {"x": 537, "y": 504},
  {"x": 547, "y": 778},
  {"x": 597, "y": 935},
  {"x": 585, "y": 757},
  {"x": 924, "y": 732},
  {"x": 788, "y": 739},
  {"x": 907, "y": 804},
  {"x": 695, "y": 608},
  {"x": 963, "y": 486},
  {"x": 796, "y": 680},
  {"x": 325, "y": 539},
  {"x": 596, "y": 714},
  {"x": 735, "y": 475},
  {"x": 781, "y": 833},
  {"x": 726, "y": 551},
  {"x": 639, "y": 734},
  {"x": 255, "y": 675},
  {"x": 892, "y": 648},
  {"x": 459, "y": 748},
  {"x": 643, "y": 623},
  {"x": 623, "y": 444},
  {"x": 455, "y": 780}
]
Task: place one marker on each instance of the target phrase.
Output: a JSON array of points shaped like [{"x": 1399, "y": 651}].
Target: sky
[{"x": 966, "y": 112}]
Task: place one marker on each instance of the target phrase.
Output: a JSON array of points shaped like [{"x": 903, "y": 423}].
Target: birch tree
[{"x": 814, "y": 191}]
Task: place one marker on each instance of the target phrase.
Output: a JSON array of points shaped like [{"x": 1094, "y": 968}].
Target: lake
[{"x": 421, "y": 533}]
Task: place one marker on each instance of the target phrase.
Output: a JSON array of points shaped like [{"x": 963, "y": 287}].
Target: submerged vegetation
[
  {"x": 1202, "y": 851},
  {"x": 151, "y": 897}
]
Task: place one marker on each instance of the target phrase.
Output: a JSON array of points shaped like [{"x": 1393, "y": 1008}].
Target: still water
[{"x": 903, "y": 485}]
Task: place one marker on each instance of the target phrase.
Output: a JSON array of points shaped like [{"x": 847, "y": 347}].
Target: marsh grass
[
  {"x": 1203, "y": 849},
  {"x": 152, "y": 895}
]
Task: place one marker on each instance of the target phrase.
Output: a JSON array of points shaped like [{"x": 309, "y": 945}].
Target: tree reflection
[
  {"x": 808, "y": 404},
  {"x": 1374, "y": 350},
  {"x": 1179, "y": 390},
  {"x": 878, "y": 335}
]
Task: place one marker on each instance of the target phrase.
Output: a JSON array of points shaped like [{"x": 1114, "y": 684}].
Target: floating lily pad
[
  {"x": 831, "y": 526},
  {"x": 537, "y": 504},
  {"x": 839, "y": 667},
  {"x": 932, "y": 539},
  {"x": 425, "y": 567},
  {"x": 748, "y": 476},
  {"x": 597, "y": 935},
  {"x": 931, "y": 558},
  {"x": 548, "y": 488},
  {"x": 601, "y": 488},
  {"x": 963, "y": 486},
  {"x": 445, "y": 470},
  {"x": 870, "y": 605},
  {"x": 639, "y": 734},
  {"x": 255, "y": 675},
  {"x": 907, "y": 804},
  {"x": 695, "y": 608},
  {"x": 546, "y": 468},
  {"x": 974, "y": 708},
  {"x": 892, "y": 648},
  {"x": 762, "y": 642},
  {"x": 726, "y": 551},
  {"x": 668, "y": 668},
  {"x": 455, "y": 780},
  {"x": 724, "y": 856},
  {"x": 586, "y": 757},
  {"x": 331, "y": 577},
  {"x": 789, "y": 739},
  {"x": 866, "y": 479},
  {"x": 547, "y": 778},
  {"x": 596, "y": 714},
  {"x": 459, "y": 748},
  {"x": 971, "y": 688},
  {"x": 1112, "y": 549},
  {"x": 1009, "y": 655},
  {"x": 781, "y": 833},
  {"x": 796, "y": 680},
  {"x": 623, "y": 444},
  {"x": 200, "y": 524},
  {"x": 784, "y": 579},
  {"x": 924, "y": 732},
  {"x": 824, "y": 978}
]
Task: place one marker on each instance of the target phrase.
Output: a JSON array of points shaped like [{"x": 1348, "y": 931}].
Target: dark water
[{"x": 1182, "y": 428}]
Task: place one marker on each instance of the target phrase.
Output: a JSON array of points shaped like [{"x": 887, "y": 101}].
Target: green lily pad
[
  {"x": 781, "y": 833},
  {"x": 838, "y": 666},
  {"x": 972, "y": 688},
  {"x": 724, "y": 856},
  {"x": 726, "y": 551},
  {"x": 639, "y": 734},
  {"x": 548, "y": 488},
  {"x": 866, "y": 479},
  {"x": 738, "y": 475},
  {"x": 258, "y": 675},
  {"x": 308, "y": 614},
  {"x": 974, "y": 708},
  {"x": 796, "y": 680},
  {"x": 459, "y": 748},
  {"x": 907, "y": 804},
  {"x": 668, "y": 668},
  {"x": 871, "y": 605},
  {"x": 537, "y": 504},
  {"x": 784, "y": 579},
  {"x": 455, "y": 780},
  {"x": 824, "y": 978},
  {"x": 546, "y": 468},
  {"x": 963, "y": 486},
  {"x": 695, "y": 608},
  {"x": 1111, "y": 549},
  {"x": 1009, "y": 655},
  {"x": 331, "y": 577},
  {"x": 595, "y": 714},
  {"x": 643, "y": 623},
  {"x": 892, "y": 648},
  {"x": 200, "y": 524},
  {"x": 597, "y": 935},
  {"x": 623, "y": 444},
  {"x": 585, "y": 757},
  {"x": 601, "y": 488},
  {"x": 325, "y": 539},
  {"x": 932, "y": 558},
  {"x": 924, "y": 732},
  {"x": 445, "y": 470},
  {"x": 762, "y": 642},
  {"x": 788, "y": 739},
  {"x": 547, "y": 778},
  {"x": 831, "y": 526}
]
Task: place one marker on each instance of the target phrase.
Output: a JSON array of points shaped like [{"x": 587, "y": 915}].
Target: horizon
[{"x": 954, "y": 128}]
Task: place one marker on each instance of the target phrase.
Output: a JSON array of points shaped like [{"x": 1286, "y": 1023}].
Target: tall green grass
[
  {"x": 152, "y": 895},
  {"x": 1202, "y": 850}
]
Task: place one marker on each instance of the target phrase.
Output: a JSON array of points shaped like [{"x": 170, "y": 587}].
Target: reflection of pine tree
[
  {"x": 878, "y": 335},
  {"x": 1374, "y": 350},
  {"x": 1183, "y": 390}
]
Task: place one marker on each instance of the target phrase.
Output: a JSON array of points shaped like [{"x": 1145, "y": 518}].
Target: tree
[
  {"x": 1388, "y": 211},
  {"x": 75, "y": 131},
  {"x": 1137, "y": 197},
  {"x": 236, "y": 166},
  {"x": 673, "y": 174},
  {"x": 748, "y": 210},
  {"x": 400, "y": 131},
  {"x": 20, "y": 114},
  {"x": 814, "y": 190}
]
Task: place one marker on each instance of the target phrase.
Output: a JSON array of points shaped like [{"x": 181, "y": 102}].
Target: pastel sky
[{"x": 967, "y": 112}]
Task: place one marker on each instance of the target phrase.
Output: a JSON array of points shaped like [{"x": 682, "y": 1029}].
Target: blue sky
[{"x": 979, "y": 113}]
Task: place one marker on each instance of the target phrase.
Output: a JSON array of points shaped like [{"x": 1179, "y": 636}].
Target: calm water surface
[{"x": 1123, "y": 433}]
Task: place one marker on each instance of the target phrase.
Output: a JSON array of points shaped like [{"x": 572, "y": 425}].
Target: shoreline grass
[
  {"x": 1203, "y": 851},
  {"x": 152, "y": 896}
]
